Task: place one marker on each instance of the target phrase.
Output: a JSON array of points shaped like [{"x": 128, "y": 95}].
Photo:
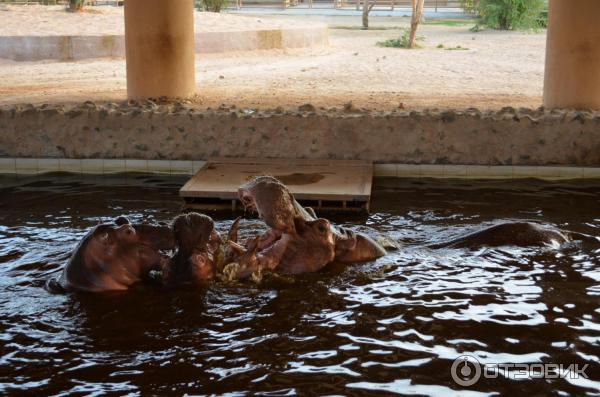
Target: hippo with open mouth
[
  {"x": 308, "y": 248},
  {"x": 297, "y": 241},
  {"x": 114, "y": 256}
]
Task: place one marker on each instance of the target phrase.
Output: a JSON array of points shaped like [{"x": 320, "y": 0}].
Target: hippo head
[
  {"x": 115, "y": 255},
  {"x": 311, "y": 248},
  {"x": 157, "y": 236},
  {"x": 351, "y": 247},
  {"x": 122, "y": 240},
  {"x": 272, "y": 200},
  {"x": 279, "y": 209},
  {"x": 308, "y": 249},
  {"x": 197, "y": 242}
]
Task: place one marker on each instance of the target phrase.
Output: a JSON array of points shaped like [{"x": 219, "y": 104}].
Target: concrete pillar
[
  {"x": 159, "y": 42},
  {"x": 572, "y": 78}
]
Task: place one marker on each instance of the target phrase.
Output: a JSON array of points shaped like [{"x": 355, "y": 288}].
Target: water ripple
[{"x": 393, "y": 326}]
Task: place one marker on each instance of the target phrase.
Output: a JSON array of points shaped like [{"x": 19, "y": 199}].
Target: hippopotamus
[
  {"x": 308, "y": 248},
  {"x": 297, "y": 240},
  {"x": 197, "y": 245},
  {"x": 278, "y": 208},
  {"x": 114, "y": 256},
  {"x": 521, "y": 234}
]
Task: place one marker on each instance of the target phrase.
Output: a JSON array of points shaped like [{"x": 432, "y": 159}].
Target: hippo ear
[{"x": 122, "y": 221}]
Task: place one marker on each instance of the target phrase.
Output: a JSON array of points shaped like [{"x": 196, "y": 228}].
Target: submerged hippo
[
  {"x": 521, "y": 234},
  {"x": 197, "y": 245},
  {"x": 114, "y": 256},
  {"x": 297, "y": 240}
]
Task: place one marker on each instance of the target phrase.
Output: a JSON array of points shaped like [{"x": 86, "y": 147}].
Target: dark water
[{"x": 392, "y": 326}]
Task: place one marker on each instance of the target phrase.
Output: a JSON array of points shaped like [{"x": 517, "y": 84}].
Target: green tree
[
  {"x": 508, "y": 14},
  {"x": 212, "y": 5},
  {"x": 470, "y": 6}
]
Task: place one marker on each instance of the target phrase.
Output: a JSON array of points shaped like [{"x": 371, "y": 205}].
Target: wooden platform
[{"x": 322, "y": 184}]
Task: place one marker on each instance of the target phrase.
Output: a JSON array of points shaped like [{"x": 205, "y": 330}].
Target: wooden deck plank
[{"x": 325, "y": 180}]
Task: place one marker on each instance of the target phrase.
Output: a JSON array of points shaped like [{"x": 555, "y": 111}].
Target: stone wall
[{"x": 182, "y": 131}]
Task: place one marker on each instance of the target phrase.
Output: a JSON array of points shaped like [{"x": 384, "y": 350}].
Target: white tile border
[
  {"x": 181, "y": 166},
  {"x": 8, "y": 165},
  {"x": 31, "y": 166},
  {"x": 133, "y": 165},
  {"x": 486, "y": 172},
  {"x": 390, "y": 170},
  {"x": 112, "y": 166},
  {"x": 48, "y": 165},
  {"x": 69, "y": 165},
  {"x": 26, "y": 166},
  {"x": 159, "y": 166}
]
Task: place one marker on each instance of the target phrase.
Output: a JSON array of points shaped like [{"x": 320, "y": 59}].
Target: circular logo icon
[{"x": 466, "y": 370}]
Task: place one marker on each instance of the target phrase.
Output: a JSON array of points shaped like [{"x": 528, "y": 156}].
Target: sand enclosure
[
  {"x": 34, "y": 20},
  {"x": 42, "y": 33},
  {"x": 497, "y": 68}
]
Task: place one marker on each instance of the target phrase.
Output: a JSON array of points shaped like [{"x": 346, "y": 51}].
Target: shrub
[
  {"x": 543, "y": 19},
  {"x": 212, "y": 5},
  {"x": 470, "y": 6},
  {"x": 396, "y": 43},
  {"x": 402, "y": 42},
  {"x": 508, "y": 14}
]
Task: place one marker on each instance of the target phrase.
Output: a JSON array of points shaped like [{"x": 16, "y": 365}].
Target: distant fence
[
  {"x": 339, "y": 4},
  {"x": 42, "y": 2},
  {"x": 335, "y": 4},
  {"x": 63, "y": 2}
]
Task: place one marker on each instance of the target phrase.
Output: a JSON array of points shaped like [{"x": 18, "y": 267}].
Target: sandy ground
[
  {"x": 498, "y": 69},
  {"x": 35, "y": 20}
]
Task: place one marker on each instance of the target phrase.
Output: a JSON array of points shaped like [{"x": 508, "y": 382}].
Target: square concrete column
[
  {"x": 159, "y": 43},
  {"x": 572, "y": 78}
]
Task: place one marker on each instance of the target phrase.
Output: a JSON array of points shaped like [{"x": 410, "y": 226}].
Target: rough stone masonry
[{"x": 182, "y": 131}]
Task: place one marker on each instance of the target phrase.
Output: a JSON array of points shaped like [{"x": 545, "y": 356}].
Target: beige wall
[
  {"x": 159, "y": 42},
  {"x": 67, "y": 48},
  {"x": 572, "y": 77}
]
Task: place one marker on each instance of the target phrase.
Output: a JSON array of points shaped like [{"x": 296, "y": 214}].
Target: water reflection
[{"x": 393, "y": 326}]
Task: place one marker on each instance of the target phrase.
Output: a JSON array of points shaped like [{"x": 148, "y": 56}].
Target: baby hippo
[
  {"x": 197, "y": 245},
  {"x": 114, "y": 256}
]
